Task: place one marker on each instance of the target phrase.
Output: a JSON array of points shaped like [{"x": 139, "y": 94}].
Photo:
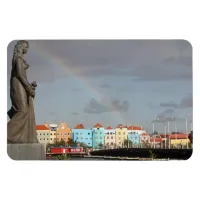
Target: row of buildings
[{"x": 109, "y": 137}]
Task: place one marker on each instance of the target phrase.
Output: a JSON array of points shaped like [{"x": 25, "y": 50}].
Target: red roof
[
  {"x": 134, "y": 128},
  {"x": 120, "y": 126},
  {"x": 79, "y": 126},
  {"x": 178, "y": 136},
  {"x": 144, "y": 134},
  {"x": 163, "y": 135},
  {"x": 109, "y": 127},
  {"x": 41, "y": 127},
  {"x": 155, "y": 139},
  {"x": 98, "y": 125}
]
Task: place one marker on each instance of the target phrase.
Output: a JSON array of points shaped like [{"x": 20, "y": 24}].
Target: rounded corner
[
  {"x": 187, "y": 42},
  {"x": 10, "y": 43},
  {"x": 190, "y": 156}
]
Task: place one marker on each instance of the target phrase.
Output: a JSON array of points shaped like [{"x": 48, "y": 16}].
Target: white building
[{"x": 110, "y": 137}]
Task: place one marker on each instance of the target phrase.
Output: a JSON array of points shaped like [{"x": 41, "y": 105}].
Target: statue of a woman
[{"x": 21, "y": 127}]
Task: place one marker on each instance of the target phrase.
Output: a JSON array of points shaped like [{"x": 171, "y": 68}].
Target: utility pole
[{"x": 165, "y": 136}]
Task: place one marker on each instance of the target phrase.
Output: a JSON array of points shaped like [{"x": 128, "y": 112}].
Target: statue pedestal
[{"x": 29, "y": 151}]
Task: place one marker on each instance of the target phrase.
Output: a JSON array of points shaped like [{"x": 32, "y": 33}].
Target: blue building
[
  {"x": 82, "y": 135},
  {"x": 134, "y": 134},
  {"x": 98, "y": 136}
]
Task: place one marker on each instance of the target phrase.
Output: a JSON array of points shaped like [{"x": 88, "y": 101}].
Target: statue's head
[{"x": 22, "y": 47}]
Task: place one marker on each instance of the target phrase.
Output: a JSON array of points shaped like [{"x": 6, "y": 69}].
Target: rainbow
[{"x": 54, "y": 60}]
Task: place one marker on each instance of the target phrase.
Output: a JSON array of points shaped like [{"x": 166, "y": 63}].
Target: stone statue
[{"x": 21, "y": 128}]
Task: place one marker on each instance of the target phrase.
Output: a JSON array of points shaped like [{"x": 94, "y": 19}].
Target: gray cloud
[
  {"x": 186, "y": 102},
  {"x": 144, "y": 59},
  {"x": 75, "y": 113},
  {"x": 165, "y": 113},
  {"x": 105, "y": 86},
  {"x": 106, "y": 105},
  {"x": 169, "y": 104}
]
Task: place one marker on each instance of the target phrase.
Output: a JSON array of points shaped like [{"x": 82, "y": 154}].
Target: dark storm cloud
[
  {"x": 98, "y": 107},
  {"x": 105, "y": 86},
  {"x": 186, "y": 102},
  {"x": 144, "y": 59}
]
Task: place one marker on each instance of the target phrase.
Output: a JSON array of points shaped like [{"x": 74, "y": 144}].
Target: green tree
[
  {"x": 127, "y": 143},
  {"x": 100, "y": 145},
  {"x": 71, "y": 143},
  {"x": 152, "y": 155},
  {"x": 63, "y": 157}
]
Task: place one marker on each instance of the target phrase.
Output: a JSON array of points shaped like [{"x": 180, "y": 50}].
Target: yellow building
[
  {"x": 53, "y": 130},
  {"x": 178, "y": 139},
  {"x": 121, "y": 135}
]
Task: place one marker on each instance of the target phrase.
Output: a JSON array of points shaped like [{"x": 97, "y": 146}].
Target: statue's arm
[{"x": 20, "y": 76}]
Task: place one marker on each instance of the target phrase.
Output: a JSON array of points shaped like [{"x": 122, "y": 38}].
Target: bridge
[{"x": 145, "y": 153}]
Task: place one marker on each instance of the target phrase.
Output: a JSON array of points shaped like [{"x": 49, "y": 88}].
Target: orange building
[{"x": 63, "y": 132}]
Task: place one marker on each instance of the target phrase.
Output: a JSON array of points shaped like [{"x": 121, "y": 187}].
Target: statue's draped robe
[{"x": 21, "y": 128}]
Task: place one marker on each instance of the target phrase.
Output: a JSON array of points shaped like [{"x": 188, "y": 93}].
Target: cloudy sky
[{"x": 110, "y": 81}]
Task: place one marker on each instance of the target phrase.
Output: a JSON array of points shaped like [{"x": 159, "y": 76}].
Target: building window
[
  {"x": 119, "y": 142},
  {"x": 54, "y": 134},
  {"x": 88, "y": 143},
  {"x": 51, "y": 133},
  {"x": 119, "y": 138},
  {"x": 65, "y": 133},
  {"x": 111, "y": 143},
  {"x": 60, "y": 133},
  {"x": 51, "y": 138},
  {"x": 111, "y": 137},
  {"x": 77, "y": 138},
  {"x": 110, "y": 133},
  {"x": 44, "y": 138},
  {"x": 68, "y": 133},
  {"x": 107, "y": 137},
  {"x": 76, "y": 133},
  {"x": 81, "y": 133},
  {"x": 100, "y": 137},
  {"x": 88, "y": 133},
  {"x": 119, "y": 133},
  {"x": 124, "y": 133},
  {"x": 47, "y": 138}
]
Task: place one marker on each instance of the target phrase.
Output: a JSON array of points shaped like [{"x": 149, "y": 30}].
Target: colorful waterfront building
[
  {"x": 63, "y": 132},
  {"x": 178, "y": 139},
  {"x": 156, "y": 141},
  {"x": 98, "y": 134},
  {"x": 43, "y": 134},
  {"x": 109, "y": 138},
  {"x": 121, "y": 135},
  {"x": 144, "y": 138},
  {"x": 82, "y": 135},
  {"x": 134, "y": 134}
]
